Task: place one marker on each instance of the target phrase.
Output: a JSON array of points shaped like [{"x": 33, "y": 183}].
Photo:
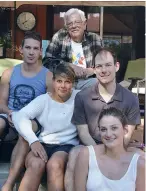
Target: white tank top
[{"x": 97, "y": 181}]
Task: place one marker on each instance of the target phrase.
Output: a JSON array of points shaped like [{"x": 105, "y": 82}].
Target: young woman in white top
[
  {"x": 58, "y": 135},
  {"x": 110, "y": 167}
]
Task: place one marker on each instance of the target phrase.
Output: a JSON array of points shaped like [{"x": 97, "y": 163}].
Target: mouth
[
  {"x": 30, "y": 58},
  {"x": 109, "y": 140},
  {"x": 75, "y": 30},
  {"x": 63, "y": 91},
  {"x": 105, "y": 76}
]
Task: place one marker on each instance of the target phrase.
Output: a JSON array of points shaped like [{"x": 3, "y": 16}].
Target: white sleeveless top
[{"x": 97, "y": 181}]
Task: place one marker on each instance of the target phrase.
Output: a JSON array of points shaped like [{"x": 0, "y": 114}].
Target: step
[{"x": 4, "y": 170}]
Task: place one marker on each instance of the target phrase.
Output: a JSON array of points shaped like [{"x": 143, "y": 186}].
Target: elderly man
[{"x": 75, "y": 46}]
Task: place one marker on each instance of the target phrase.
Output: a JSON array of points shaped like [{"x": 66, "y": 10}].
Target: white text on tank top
[{"x": 78, "y": 57}]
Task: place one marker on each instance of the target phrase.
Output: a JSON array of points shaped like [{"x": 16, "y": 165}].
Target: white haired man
[{"x": 74, "y": 45}]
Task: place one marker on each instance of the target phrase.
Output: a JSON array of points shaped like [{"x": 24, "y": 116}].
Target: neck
[
  {"x": 77, "y": 40},
  {"x": 59, "y": 99},
  {"x": 107, "y": 88},
  {"x": 115, "y": 153},
  {"x": 33, "y": 67}
]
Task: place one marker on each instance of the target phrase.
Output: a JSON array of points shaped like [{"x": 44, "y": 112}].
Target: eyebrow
[{"x": 110, "y": 126}]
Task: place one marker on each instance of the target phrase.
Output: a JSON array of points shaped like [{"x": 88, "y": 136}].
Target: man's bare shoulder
[{"x": 6, "y": 75}]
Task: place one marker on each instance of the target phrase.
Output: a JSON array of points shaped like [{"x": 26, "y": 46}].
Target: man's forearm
[
  {"x": 129, "y": 134},
  {"x": 87, "y": 140}
]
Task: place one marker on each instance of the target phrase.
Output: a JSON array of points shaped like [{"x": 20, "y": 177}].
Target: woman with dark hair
[{"x": 110, "y": 167}]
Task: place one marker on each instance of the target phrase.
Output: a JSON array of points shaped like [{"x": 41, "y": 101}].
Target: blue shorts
[{"x": 53, "y": 148}]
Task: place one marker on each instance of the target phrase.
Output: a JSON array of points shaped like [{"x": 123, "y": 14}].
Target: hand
[
  {"x": 10, "y": 118},
  {"x": 79, "y": 71},
  {"x": 90, "y": 71},
  {"x": 39, "y": 151}
]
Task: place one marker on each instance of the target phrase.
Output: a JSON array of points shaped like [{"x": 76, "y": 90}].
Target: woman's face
[{"x": 112, "y": 131}]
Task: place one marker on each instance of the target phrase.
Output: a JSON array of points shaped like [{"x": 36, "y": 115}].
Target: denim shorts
[{"x": 53, "y": 148}]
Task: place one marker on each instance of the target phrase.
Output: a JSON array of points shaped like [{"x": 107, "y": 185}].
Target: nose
[
  {"x": 73, "y": 24},
  {"x": 103, "y": 68},
  {"x": 31, "y": 51},
  {"x": 108, "y": 133},
  {"x": 62, "y": 84}
]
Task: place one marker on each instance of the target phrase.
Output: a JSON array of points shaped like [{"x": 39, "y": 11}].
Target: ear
[
  {"x": 117, "y": 66},
  {"x": 21, "y": 49},
  {"x": 41, "y": 51},
  {"x": 125, "y": 130},
  {"x": 85, "y": 24}
]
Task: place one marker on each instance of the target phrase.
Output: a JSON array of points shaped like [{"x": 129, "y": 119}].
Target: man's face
[
  {"x": 75, "y": 27},
  {"x": 31, "y": 51},
  {"x": 105, "y": 68},
  {"x": 62, "y": 86}
]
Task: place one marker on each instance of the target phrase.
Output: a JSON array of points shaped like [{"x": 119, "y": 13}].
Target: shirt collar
[{"x": 118, "y": 95}]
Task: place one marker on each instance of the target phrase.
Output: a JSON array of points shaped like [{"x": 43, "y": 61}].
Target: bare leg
[
  {"x": 35, "y": 168},
  {"x": 17, "y": 162},
  {"x": 2, "y": 127},
  {"x": 69, "y": 175},
  {"x": 55, "y": 171}
]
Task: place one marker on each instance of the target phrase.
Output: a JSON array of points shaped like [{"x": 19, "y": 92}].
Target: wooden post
[{"x": 101, "y": 22}]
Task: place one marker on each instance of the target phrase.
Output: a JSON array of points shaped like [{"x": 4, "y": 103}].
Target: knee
[
  {"x": 72, "y": 158},
  {"x": 55, "y": 166},
  {"x": 37, "y": 165}
]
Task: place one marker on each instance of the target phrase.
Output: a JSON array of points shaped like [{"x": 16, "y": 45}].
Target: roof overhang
[{"x": 78, "y": 3}]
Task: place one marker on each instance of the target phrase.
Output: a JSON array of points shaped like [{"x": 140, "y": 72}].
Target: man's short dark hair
[
  {"x": 32, "y": 35},
  {"x": 106, "y": 50},
  {"x": 64, "y": 70}
]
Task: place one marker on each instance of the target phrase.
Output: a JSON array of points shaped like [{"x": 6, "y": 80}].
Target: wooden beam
[
  {"x": 101, "y": 22},
  {"x": 83, "y": 3},
  {"x": 6, "y": 4}
]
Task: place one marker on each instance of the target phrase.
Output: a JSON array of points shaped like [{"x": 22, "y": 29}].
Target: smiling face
[
  {"x": 75, "y": 27},
  {"x": 31, "y": 51},
  {"x": 111, "y": 131},
  {"x": 62, "y": 86},
  {"x": 105, "y": 68}
]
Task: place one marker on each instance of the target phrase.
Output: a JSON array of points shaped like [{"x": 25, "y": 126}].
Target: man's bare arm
[
  {"x": 84, "y": 135},
  {"x": 49, "y": 77},
  {"x": 4, "y": 89},
  {"x": 129, "y": 134}
]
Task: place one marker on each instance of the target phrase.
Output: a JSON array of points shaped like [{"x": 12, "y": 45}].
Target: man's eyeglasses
[{"x": 75, "y": 23}]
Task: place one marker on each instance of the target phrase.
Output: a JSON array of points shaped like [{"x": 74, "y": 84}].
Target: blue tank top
[{"x": 24, "y": 89}]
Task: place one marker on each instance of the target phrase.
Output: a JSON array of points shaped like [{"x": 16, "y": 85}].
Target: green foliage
[
  {"x": 121, "y": 50},
  {"x": 5, "y": 40}
]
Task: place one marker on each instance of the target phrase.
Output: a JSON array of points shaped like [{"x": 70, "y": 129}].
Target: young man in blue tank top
[{"x": 19, "y": 86}]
